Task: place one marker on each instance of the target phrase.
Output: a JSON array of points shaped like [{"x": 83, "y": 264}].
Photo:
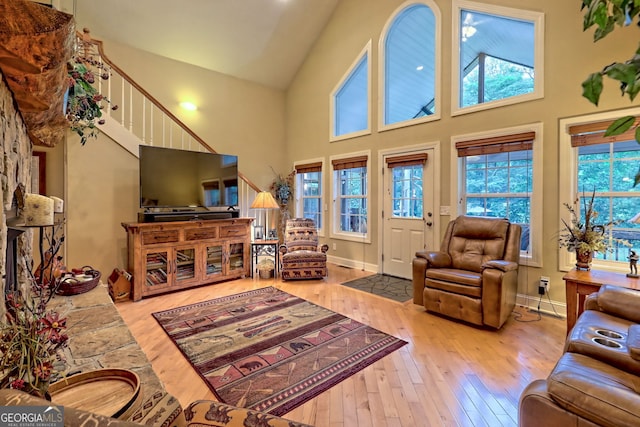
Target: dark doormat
[{"x": 391, "y": 287}]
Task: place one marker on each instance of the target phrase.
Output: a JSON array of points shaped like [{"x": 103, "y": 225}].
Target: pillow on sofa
[{"x": 595, "y": 391}]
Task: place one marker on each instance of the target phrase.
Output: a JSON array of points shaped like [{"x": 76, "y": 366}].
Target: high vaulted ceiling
[{"x": 264, "y": 41}]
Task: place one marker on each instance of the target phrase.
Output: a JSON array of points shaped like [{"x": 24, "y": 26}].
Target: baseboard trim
[{"x": 350, "y": 263}]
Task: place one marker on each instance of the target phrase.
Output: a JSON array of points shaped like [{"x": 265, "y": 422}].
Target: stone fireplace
[{"x": 15, "y": 170}]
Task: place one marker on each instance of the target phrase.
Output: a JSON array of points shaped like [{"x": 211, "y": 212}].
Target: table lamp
[{"x": 264, "y": 200}]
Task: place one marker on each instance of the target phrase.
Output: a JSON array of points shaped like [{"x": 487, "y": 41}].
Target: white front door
[{"x": 408, "y": 210}]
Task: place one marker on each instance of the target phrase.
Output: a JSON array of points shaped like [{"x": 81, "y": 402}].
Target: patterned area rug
[
  {"x": 271, "y": 351},
  {"x": 391, "y": 287}
]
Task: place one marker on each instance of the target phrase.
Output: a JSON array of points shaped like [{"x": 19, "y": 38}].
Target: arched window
[{"x": 410, "y": 47}]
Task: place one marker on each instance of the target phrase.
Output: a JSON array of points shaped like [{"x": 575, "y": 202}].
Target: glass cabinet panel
[
  {"x": 214, "y": 260},
  {"x": 157, "y": 268},
  {"x": 185, "y": 264},
  {"x": 236, "y": 256}
]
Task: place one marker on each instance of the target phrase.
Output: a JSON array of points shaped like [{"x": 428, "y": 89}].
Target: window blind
[
  {"x": 406, "y": 160},
  {"x": 349, "y": 163},
  {"x": 309, "y": 167},
  {"x": 593, "y": 133},
  {"x": 496, "y": 144}
]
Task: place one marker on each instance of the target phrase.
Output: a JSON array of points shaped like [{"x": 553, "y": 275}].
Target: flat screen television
[{"x": 173, "y": 180}]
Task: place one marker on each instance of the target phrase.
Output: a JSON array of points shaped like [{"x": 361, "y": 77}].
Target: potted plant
[
  {"x": 584, "y": 235},
  {"x": 31, "y": 335}
]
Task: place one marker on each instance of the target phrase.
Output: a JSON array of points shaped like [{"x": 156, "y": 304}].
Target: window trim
[
  {"x": 366, "y": 51},
  {"x": 519, "y": 14},
  {"x": 335, "y": 233},
  {"x": 569, "y": 175},
  {"x": 534, "y": 258},
  {"x": 437, "y": 67},
  {"x": 298, "y": 198}
]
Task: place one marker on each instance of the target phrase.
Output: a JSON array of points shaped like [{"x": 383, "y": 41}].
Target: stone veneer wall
[{"x": 15, "y": 169}]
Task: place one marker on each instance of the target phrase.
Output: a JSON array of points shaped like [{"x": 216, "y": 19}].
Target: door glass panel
[
  {"x": 185, "y": 261},
  {"x": 236, "y": 256},
  {"x": 214, "y": 259},
  {"x": 156, "y": 268},
  {"x": 406, "y": 198}
]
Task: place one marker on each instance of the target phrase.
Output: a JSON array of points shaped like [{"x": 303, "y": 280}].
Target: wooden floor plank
[{"x": 449, "y": 374}]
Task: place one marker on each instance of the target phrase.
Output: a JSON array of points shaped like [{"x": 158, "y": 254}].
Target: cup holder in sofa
[
  {"x": 609, "y": 334},
  {"x": 606, "y": 342}
]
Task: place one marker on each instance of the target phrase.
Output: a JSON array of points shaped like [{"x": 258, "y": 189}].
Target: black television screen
[{"x": 172, "y": 178}]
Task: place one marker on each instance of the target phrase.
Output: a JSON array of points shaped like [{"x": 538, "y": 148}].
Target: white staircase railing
[{"x": 141, "y": 119}]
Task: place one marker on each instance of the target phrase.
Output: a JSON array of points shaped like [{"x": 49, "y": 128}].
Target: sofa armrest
[
  {"x": 501, "y": 265},
  {"x": 591, "y": 302},
  {"x": 619, "y": 302},
  {"x": 435, "y": 259}
]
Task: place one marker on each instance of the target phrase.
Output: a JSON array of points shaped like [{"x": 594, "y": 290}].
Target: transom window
[
  {"x": 350, "y": 101},
  {"x": 411, "y": 54},
  {"x": 499, "y": 58}
]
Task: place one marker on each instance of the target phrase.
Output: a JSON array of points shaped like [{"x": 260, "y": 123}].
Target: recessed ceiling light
[
  {"x": 420, "y": 67},
  {"x": 189, "y": 106}
]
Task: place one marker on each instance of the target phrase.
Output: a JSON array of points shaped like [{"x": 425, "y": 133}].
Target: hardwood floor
[{"x": 449, "y": 374}]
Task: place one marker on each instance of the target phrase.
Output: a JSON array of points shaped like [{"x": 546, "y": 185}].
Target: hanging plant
[{"x": 84, "y": 103}]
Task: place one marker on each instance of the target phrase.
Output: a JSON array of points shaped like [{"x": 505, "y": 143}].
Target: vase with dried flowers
[
  {"x": 584, "y": 235},
  {"x": 84, "y": 102},
  {"x": 282, "y": 189},
  {"x": 32, "y": 334}
]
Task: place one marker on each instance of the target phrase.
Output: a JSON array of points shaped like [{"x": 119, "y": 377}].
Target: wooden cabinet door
[
  {"x": 237, "y": 258},
  {"x": 213, "y": 255}
]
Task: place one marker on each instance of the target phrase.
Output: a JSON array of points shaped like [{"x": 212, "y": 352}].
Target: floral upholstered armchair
[{"x": 300, "y": 254}]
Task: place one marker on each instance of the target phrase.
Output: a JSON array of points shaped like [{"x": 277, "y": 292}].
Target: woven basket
[
  {"x": 74, "y": 285},
  {"x": 265, "y": 274}
]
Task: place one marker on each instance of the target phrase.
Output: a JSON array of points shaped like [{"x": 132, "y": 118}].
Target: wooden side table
[{"x": 580, "y": 283}]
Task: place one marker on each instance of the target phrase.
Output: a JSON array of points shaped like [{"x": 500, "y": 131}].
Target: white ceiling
[{"x": 264, "y": 41}]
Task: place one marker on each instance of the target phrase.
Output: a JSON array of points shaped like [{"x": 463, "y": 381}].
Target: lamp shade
[{"x": 264, "y": 200}]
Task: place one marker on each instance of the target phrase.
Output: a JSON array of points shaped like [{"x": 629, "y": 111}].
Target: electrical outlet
[{"x": 543, "y": 286}]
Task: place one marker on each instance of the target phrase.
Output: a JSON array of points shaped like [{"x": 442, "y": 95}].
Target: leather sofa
[
  {"x": 596, "y": 381},
  {"x": 474, "y": 275}
]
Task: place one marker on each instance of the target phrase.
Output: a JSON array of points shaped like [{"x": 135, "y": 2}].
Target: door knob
[{"x": 429, "y": 223}]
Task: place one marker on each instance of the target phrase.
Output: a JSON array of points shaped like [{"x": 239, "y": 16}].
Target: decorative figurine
[{"x": 633, "y": 264}]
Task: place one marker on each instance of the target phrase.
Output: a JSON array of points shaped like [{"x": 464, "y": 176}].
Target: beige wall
[
  {"x": 266, "y": 127},
  {"x": 570, "y": 56},
  {"x": 234, "y": 117}
]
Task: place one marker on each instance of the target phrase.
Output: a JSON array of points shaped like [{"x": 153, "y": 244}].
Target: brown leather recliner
[{"x": 474, "y": 276}]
